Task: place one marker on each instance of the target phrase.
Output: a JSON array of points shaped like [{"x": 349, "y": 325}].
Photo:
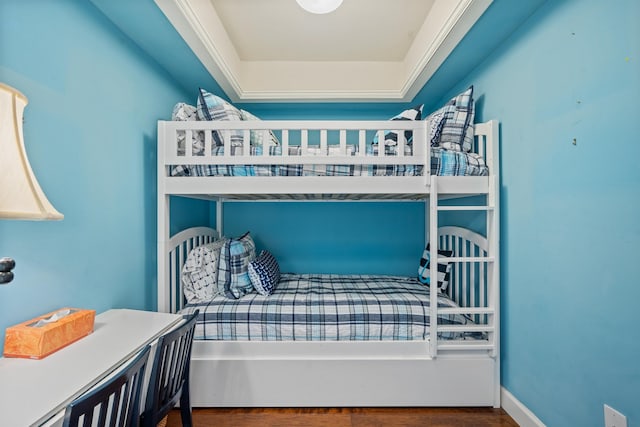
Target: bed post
[
  {"x": 433, "y": 267},
  {"x": 163, "y": 225},
  {"x": 493, "y": 237},
  {"x": 219, "y": 216}
]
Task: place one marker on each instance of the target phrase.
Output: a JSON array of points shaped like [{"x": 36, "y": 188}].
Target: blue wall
[
  {"x": 90, "y": 132},
  {"x": 340, "y": 237},
  {"x": 569, "y": 216},
  {"x": 570, "y": 229}
]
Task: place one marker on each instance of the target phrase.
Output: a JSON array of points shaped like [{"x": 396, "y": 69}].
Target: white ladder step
[
  {"x": 465, "y": 328},
  {"x": 465, "y": 259},
  {"x": 465, "y": 345},
  {"x": 465, "y": 208},
  {"x": 466, "y": 310}
]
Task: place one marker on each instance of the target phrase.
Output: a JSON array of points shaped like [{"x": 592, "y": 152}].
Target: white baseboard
[{"x": 516, "y": 410}]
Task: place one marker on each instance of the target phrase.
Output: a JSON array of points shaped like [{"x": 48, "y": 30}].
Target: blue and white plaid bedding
[
  {"x": 317, "y": 307},
  {"x": 443, "y": 163}
]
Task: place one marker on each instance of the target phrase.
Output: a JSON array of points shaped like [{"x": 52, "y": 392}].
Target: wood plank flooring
[{"x": 346, "y": 417}]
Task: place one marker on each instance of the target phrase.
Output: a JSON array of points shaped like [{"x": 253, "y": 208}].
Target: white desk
[{"x": 34, "y": 391}]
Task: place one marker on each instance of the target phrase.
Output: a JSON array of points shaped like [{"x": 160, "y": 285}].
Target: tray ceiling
[{"x": 366, "y": 50}]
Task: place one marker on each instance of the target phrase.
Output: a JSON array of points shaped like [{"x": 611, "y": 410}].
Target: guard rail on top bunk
[{"x": 314, "y": 139}]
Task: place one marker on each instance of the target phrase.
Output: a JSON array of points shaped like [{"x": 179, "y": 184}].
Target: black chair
[
  {"x": 169, "y": 382},
  {"x": 115, "y": 402}
]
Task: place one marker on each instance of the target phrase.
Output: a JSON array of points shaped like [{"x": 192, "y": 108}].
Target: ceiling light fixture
[{"x": 319, "y": 6}]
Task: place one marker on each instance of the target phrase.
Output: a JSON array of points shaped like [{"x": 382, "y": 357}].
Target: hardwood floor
[{"x": 345, "y": 417}]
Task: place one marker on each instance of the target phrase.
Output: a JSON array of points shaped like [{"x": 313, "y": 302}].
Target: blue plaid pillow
[
  {"x": 457, "y": 163},
  {"x": 233, "y": 267},
  {"x": 264, "y": 272},
  {"x": 452, "y": 125},
  {"x": 211, "y": 107}
]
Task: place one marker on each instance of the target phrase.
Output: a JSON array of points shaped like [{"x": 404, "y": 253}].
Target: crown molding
[{"x": 270, "y": 81}]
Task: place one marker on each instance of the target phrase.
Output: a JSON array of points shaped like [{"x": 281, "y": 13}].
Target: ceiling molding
[
  {"x": 445, "y": 25},
  {"x": 190, "y": 20},
  {"x": 458, "y": 20}
]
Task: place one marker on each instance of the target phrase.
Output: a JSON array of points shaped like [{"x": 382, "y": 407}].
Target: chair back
[
  {"x": 115, "y": 402},
  {"x": 169, "y": 382}
]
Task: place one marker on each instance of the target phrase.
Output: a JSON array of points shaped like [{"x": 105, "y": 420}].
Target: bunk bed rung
[
  {"x": 468, "y": 259},
  {"x": 466, "y": 208},
  {"x": 465, "y": 328},
  {"x": 466, "y": 345},
  {"x": 466, "y": 310}
]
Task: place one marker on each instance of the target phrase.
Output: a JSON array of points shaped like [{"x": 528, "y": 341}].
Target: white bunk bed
[{"x": 431, "y": 372}]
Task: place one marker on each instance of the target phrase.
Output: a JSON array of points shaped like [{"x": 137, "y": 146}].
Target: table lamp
[{"x": 20, "y": 194}]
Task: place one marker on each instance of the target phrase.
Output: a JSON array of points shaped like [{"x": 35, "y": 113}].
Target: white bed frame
[{"x": 434, "y": 372}]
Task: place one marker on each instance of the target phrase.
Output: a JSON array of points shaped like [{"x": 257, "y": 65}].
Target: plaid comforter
[
  {"x": 443, "y": 163},
  {"x": 315, "y": 307}
]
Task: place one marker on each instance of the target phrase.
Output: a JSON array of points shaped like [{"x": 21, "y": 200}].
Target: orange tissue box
[{"x": 39, "y": 337}]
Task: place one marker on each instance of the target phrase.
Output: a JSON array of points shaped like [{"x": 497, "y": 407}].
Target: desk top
[{"x": 32, "y": 391}]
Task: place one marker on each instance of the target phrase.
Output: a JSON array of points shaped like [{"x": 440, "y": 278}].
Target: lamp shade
[{"x": 20, "y": 194}]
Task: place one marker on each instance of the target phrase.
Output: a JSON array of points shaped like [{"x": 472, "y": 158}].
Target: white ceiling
[
  {"x": 367, "y": 50},
  {"x": 351, "y": 33}
]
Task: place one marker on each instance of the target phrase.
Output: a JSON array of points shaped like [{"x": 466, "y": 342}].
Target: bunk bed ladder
[
  {"x": 470, "y": 266},
  {"x": 475, "y": 303}
]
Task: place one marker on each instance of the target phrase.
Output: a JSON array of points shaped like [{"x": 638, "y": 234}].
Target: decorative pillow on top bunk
[
  {"x": 444, "y": 268},
  {"x": 187, "y": 113},
  {"x": 391, "y": 137},
  {"x": 457, "y": 163},
  {"x": 452, "y": 125},
  {"x": 259, "y": 136},
  {"x": 264, "y": 272},
  {"x": 200, "y": 273},
  {"x": 233, "y": 267},
  {"x": 184, "y": 112},
  {"x": 211, "y": 107}
]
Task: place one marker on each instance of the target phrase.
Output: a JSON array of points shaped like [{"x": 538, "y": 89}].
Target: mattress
[
  {"x": 324, "y": 307},
  {"x": 443, "y": 163}
]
